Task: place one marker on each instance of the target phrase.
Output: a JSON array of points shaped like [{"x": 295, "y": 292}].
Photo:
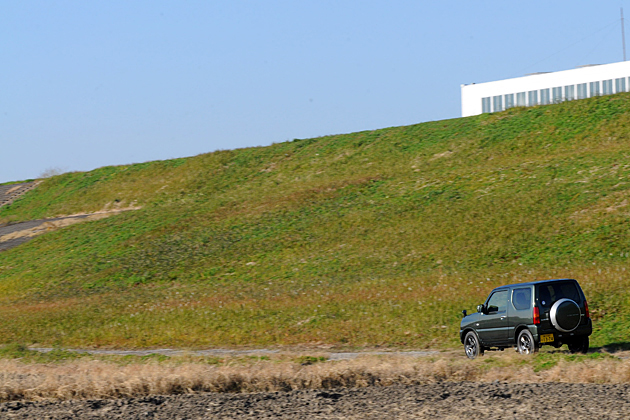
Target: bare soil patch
[{"x": 444, "y": 400}]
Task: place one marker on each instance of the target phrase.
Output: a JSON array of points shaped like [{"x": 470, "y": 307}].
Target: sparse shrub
[
  {"x": 309, "y": 360},
  {"x": 50, "y": 172}
]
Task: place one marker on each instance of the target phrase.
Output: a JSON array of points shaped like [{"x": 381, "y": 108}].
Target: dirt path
[
  {"x": 446, "y": 400},
  {"x": 17, "y": 233}
]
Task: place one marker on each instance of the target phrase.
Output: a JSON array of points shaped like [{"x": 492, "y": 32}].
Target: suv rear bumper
[{"x": 580, "y": 331}]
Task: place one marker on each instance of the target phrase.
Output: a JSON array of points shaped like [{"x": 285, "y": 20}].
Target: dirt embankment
[{"x": 445, "y": 400}]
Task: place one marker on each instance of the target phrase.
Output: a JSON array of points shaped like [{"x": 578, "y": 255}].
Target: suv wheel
[
  {"x": 525, "y": 343},
  {"x": 580, "y": 345},
  {"x": 472, "y": 346}
]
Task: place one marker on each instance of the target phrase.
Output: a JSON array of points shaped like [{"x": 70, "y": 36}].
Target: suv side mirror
[
  {"x": 464, "y": 313},
  {"x": 492, "y": 309},
  {"x": 481, "y": 308}
]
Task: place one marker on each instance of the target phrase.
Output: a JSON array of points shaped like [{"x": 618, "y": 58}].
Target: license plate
[{"x": 546, "y": 338}]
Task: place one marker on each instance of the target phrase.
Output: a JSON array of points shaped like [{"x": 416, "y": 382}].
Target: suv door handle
[{"x": 503, "y": 317}]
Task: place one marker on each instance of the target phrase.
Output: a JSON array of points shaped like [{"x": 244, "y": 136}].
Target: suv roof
[{"x": 529, "y": 283}]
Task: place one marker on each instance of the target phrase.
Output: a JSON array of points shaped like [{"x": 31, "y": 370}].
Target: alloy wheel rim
[
  {"x": 470, "y": 346},
  {"x": 525, "y": 344}
]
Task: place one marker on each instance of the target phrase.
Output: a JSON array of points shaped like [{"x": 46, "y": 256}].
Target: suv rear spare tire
[{"x": 565, "y": 315}]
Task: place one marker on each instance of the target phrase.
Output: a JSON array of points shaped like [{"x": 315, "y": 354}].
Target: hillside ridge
[{"x": 374, "y": 238}]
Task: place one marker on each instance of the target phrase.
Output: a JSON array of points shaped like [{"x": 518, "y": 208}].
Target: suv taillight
[
  {"x": 536, "y": 316},
  {"x": 588, "y": 314}
]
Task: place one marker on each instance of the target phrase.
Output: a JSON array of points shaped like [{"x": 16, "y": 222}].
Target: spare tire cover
[{"x": 565, "y": 315}]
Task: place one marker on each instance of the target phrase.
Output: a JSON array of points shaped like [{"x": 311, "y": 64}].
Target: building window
[
  {"x": 497, "y": 103},
  {"x": 520, "y": 99},
  {"x": 532, "y": 97},
  {"x": 485, "y": 105},
  {"x": 569, "y": 93},
  {"x": 509, "y": 100},
  {"x": 544, "y": 96},
  {"x": 620, "y": 85},
  {"x": 581, "y": 91},
  {"x": 607, "y": 87},
  {"x": 594, "y": 89},
  {"x": 557, "y": 95}
]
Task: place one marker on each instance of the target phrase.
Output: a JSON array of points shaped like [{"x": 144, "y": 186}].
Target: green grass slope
[{"x": 375, "y": 238}]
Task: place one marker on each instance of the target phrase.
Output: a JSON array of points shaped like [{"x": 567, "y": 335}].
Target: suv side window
[
  {"x": 498, "y": 301},
  {"x": 522, "y": 298}
]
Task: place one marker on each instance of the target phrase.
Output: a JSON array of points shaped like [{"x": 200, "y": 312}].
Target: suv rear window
[{"x": 550, "y": 293}]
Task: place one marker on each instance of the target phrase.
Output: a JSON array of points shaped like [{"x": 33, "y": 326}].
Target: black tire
[
  {"x": 472, "y": 346},
  {"x": 525, "y": 343},
  {"x": 580, "y": 345}
]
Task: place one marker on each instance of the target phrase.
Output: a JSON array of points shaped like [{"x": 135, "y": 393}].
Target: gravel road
[{"x": 446, "y": 400}]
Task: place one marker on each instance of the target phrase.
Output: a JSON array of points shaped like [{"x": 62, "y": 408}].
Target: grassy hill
[{"x": 375, "y": 238}]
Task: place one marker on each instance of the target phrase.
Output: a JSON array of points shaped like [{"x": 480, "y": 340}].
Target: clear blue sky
[{"x": 85, "y": 84}]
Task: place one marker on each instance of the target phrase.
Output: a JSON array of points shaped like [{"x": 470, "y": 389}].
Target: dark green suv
[{"x": 527, "y": 316}]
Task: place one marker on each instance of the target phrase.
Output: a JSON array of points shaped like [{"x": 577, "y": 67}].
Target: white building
[{"x": 545, "y": 88}]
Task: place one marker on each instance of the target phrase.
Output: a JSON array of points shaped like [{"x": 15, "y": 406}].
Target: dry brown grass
[{"x": 84, "y": 379}]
